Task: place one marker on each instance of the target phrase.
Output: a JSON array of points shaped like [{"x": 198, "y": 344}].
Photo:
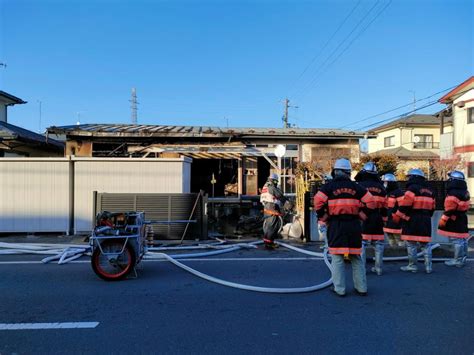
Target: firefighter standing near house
[
  {"x": 394, "y": 196},
  {"x": 272, "y": 199},
  {"x": 338, "y": 203},
  {"x": 453, "y": 222},
  {"x": 415, "y": 211},
  {"x": 372, "y": 226}
]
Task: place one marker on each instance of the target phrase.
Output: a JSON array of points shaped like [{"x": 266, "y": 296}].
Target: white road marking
[{"x": 41, "y": 326}]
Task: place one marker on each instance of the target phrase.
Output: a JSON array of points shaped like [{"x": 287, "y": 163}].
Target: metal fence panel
[
  {"x": 160, "y": 207},
  {"x": 34, "y": 195}
]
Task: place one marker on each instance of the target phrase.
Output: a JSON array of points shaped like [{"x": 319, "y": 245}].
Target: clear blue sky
[{"x": 206, "y": 62}]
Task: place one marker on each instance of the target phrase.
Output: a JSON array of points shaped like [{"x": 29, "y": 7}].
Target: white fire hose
[{"x": 72, "y": 252}]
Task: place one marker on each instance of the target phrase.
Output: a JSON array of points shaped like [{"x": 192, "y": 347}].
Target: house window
[
  {"x": 389, "y": 141},
  {"x": 470, "y": 169},
  {"x": 470, "y": 115},
  {"x": 424, "y": 141}
]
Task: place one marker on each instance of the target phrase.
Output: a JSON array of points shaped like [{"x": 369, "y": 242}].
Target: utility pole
[
  {"x": 134, "y": 108},
  {"x": 285, "y": 115}
]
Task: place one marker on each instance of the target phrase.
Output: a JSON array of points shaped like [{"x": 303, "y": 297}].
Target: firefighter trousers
[{"x": 339, "y": 276}]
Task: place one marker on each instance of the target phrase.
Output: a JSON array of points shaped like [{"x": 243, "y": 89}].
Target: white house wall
[
  {"x": 35, "y": 192},
  {"x": 464, "y": 134},
  {"x": 34, "y": 195},
  {"x": 124, "y": 176},
  {"x": 404, "y": 137}
]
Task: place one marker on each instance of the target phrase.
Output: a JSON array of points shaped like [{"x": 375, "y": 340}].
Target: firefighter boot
[
  {"x": 428, "y": 259},
  {"x": 459, "y": 255},
  {"x": 379, "y": 247},
  {"x": 465, "y": 251},
  {"x": 412, "y": 258},
  {"x": 458, "y": 251}
]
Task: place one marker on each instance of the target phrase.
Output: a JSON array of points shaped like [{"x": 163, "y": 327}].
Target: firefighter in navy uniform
[
  {"x": 272, "y": 199},
  {"x": 338, "y": 204},
  {"x": 415, "y": 211},
  {"x": 372, "y": 226},
  {"x": 394, "y": 196},
  {"x": 453, "y": 222}
]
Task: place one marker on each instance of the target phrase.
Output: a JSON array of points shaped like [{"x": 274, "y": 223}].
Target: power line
[
  {"x": 400, "y": 116},
  {"x": 325, "y": 45},
  {"x": 315, "y": 80},
  {"x": 396, "y": 108},
  {"x": 339, "y": 46}
]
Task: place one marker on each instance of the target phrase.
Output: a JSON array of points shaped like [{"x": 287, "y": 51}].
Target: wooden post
[{"x": 240, "y": 177}]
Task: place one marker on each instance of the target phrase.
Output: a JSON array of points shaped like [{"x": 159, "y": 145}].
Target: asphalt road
[{"x": 168, "y": 311}]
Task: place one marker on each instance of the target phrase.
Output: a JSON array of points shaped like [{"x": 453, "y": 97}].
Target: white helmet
[
  {"x": 389, "y": 177},
  {"x": 416, "y": 172},
  {"x": 370, "y": 168},
  {"x": 456, "y": 175},
  {"x": 273, "y": 176},
  {"x": 343, "y": 164}
]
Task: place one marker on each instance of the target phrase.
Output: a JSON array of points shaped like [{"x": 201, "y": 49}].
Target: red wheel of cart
[{"x": 113, "y": 261}]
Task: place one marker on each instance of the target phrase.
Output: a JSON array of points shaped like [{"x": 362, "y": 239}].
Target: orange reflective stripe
[
  {"x": 391, "y": 202},
  {"x": 355, "y": 251},
  {"x": 343, "y": 206},
  {"x": 380, "y": 201},
  {"x": 416, "y": 238},
  {"x": 320, "y": 200},
  {"x": 373, "y": 236},
  {"x": 402, "y": 215},
  {"x": 392, "y": 230},
  {"x": 453, "y": 234},
  {"x": 322, "y": 196},
  {"x": 273, "y": 213},
  {"x": 344, "y": 202},
  {"x": 451, "y": 203},
  {"x": 463, "y": 206},
  {"x": 368, "y": 200},
  {"x": 407, "y": 199},
  {"x": 423, "y": 203}
]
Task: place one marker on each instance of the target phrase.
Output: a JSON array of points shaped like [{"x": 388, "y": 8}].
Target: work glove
[{"x": 442, "y": 221}]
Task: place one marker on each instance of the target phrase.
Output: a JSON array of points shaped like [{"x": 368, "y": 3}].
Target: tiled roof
[
  {"x": 413, "y": 120},
  {"x": 129, "y": 130},
  {"x": 404, "y": 153},
  {"x": 12, "y": 132}
]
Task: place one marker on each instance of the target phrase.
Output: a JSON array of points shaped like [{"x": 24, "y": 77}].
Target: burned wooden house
[{"x": 226, "y": 161}]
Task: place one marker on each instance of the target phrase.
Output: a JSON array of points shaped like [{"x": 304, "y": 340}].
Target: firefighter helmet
[
  {"x": 343, "y": 164},
  {"x": 416, "y": 172},
  {"x": 389, "y": 177},
  {"x": 370, "y": 168},
  {"x": 456, "y": 175}
]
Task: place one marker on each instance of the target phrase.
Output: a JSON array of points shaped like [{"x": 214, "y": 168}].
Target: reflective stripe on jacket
[
  {"x": 339, "y": 204},
  {"x": 453, "y": 222},
  {"x": 416, "y": 209}
]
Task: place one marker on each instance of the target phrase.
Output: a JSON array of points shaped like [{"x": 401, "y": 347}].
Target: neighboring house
[
  {"x": 6, "y": 100},
  {"x": 239, "y": 157},
  {"x": 461, "y": 140},
  {"x": 414, "y": 139},
  {"x": 16, "y": 141}
]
